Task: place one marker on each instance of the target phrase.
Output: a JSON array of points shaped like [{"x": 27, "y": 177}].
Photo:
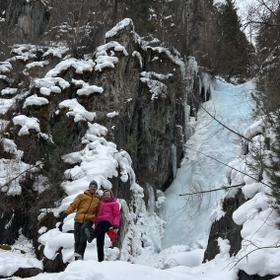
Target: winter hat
[{"x": 93, "y": 182}]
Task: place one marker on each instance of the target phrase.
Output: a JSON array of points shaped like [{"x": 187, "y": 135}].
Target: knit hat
[{"x": 93, "y": 182}]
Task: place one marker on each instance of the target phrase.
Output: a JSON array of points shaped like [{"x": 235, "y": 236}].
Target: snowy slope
[{"x": 190, "y": 217}]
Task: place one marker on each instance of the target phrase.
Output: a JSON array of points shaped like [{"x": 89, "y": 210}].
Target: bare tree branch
[
  {"x": 249, "y": 22},
  {"x": 212, "y": 190},
  {"x": 218, "y": 121},
  {"x": 225, "y": 126},
  {"x": 252, "y": 251},
  {"x": 25, "y": 171},
  {"x": 230, "y": 167},
  {"x": 267, "y": 7}
]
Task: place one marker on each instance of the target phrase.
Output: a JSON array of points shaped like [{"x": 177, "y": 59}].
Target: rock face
[
  {"x": 244, "y": 276},
  {"x": 148, "y": 128},
  {"x": 142, "y": 105},
  {"x": 27, "y": 19},
  {"x": 27, "y": 272},
  {"x": 186, "y": 25},
  {"x": 226, "y": 229}
]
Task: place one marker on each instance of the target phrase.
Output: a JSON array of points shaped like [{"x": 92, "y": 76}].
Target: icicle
[{"x": 174, "y": 159}]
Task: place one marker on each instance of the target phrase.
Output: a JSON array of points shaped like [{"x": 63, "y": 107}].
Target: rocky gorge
[{"x": 131, "y": 95}]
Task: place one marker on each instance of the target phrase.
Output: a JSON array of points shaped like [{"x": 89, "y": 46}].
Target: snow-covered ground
[{"x": 190, "y": 217}]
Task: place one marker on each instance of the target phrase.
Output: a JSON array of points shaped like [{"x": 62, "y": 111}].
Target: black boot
[{"x": 77, "y": 257}]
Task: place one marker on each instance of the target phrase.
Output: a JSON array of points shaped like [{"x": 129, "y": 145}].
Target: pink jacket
[{"x": 109, "y": 210}]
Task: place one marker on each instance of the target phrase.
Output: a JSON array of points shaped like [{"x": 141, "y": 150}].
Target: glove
[
  {"x": 63, "y": 216},
  {"x": 60, "y": 226}
]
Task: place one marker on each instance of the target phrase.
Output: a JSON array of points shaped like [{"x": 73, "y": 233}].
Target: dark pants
[
  {"x": 80, "y": 237},
  {"x": 100, "y": 231}
]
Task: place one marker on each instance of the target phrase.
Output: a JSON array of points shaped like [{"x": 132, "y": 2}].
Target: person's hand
[{"x": 60, "y": 226}]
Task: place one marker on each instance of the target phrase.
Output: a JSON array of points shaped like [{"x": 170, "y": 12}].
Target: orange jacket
[{"x": 86, "y": 205}]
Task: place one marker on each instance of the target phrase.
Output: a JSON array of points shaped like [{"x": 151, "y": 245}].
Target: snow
[
  {"x": 103, "y": 59},
  {"x": 14, "y": 259},
  {"x": 156, "y": 88},
  {"x": 79, "y": 83},
  {"x": 76, "y": 110},
  {"x": 24, "y": 52},
  {"x": 139, "y": 57},
  {"x": 117, "y": 47},
  {"x": 154, "y": 82},
  {"x": 50, "y": 85},
  {"x": 53, "y": 240},
  {"x": 17, "y": 167},
  {"x": 40, "y": 184},
  {"x": 26, "y": 123},
  {"x": 9, "y": 146},
  {"x": 56, "y": 51},
  {"x": 5, "y": 67},
  {"x": 177, "y": 60},
  {"x": 8, "y": 91},
  {"x": 80, "y": 66},
  {"x": 5, "y": 105},
  {"x": 90, "y": 269},
  {"x": 33, "y": 64},
  {"x": 4, "y": 78},
  {"x": 151, "y": 75},
  {"x": 89, "y": 89},
  {"x": 120, "y": 26},
  {"x": 254, "y": 129},
  {"x": 35, "y": 100},
  {"x": 259, "y": 229},
  {"x": 112, "y": 114},
  {"x": 259, "y": 220}
]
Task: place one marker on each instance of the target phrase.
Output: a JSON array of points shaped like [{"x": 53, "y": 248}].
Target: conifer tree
[
  {"x": 233, "y": 50},
  {"x": 268, "y": 83}
]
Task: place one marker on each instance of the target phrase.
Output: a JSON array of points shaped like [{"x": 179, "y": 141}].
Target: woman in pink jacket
[{"x": 108, "y": 217}]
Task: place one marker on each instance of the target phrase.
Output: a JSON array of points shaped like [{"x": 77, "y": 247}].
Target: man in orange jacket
[{"x": 86, "y": 206}]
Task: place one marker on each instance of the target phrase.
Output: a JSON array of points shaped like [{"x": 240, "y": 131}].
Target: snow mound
[
  {"x": 26, "y": 124},
  {"x": 117, "y": 28},
  {"x": 77, "y": 111},
  {"x": 80, "y": 66},
  {"x": 35, "y": 100}
]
